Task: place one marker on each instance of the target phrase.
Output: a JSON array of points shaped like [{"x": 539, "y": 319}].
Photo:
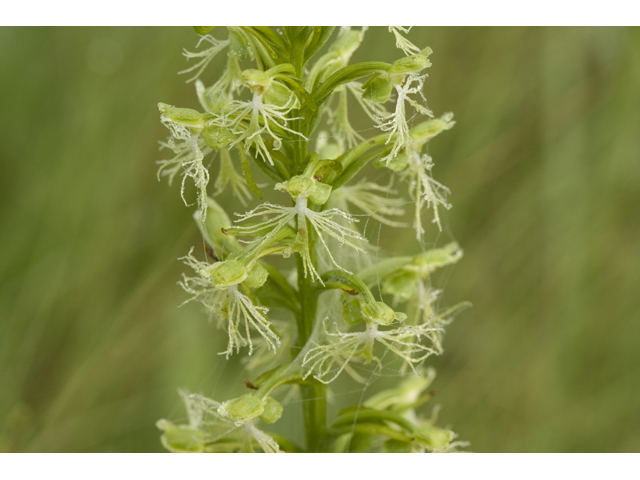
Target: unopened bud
[
  {"x": 228, "y": 273},
  {"x": 401, "y": 283},
  {"x": 272, "y": 411},
  {"x": 216, "y": 137},
  {"x": 411, "y": 64},
  {"x": 436, "y": 438},
  {"x": 378, "y": 88},
  {"x": 425, "y": 131},
  {"x": 256, "y": 276},
  {"x": 242, "y": 409},
  {"x": 182, "y": 116},
  {"x": 381, "y": 314}
]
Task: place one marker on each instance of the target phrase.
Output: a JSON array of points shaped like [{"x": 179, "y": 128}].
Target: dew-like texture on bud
[
  {"x": 435, "y": 438},
  {"x": 216, "y": 137},
  {"x": 227, "y": 273},
  {"x": 277, "y": 94},
  {"x": 395, "y": 164},
  {"x": 401, "y": 283},
  {"x": 180, "y": 439},
  {"x": 182, "y": 116},
  {"x": 244, "y": 408},
  {"x": 305, "y": 187},
  {"x": 352, "y": 311},
  {"x": 203, "y": 30},
  {"x": 256, "y": 277},
  {"x": 320, "y": 194},
  {"x": 412, "y": 64},
  {"x": 425, "y": 131},
  {"x": 378, "y": 88},
  {"x": 381, "y": 314},
  {"x": 272, "y": 410}
]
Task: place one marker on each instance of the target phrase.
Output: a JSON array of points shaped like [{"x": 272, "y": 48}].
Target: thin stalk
[{"x": 313, "y": 396}]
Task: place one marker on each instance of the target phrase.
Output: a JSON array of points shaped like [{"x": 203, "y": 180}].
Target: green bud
[
  {"x": 180, "y": 439},
  {"x": 228, "y": 273},
  {"x": 216, "y": 137},
  {"x": 352, "y": 311},
  {"x": 425, "y": 131},
  {"x": 257, "y": 276},
  {"x": 436, "y": 438},
  {"x": 272, "y": 411},
  {"x": 396, "y": 164},
  {"x": 381, "y": 314},
  {"x": 378, "y": 88},
  {"x": 401, "y": 283},
  {"x": 182, "y": 116},
  {"x": 203, "y": 30},
  {"x": 435, "y": 258},
  {"x": 243, "y": 409},
  {"x": 411, "y": 64},
  {"x": 321, "y": 194},
  {"x": 310, "y": 188},
  {"x": 277, "y": 94}
]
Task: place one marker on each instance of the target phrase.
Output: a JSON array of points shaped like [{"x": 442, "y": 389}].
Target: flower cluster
[{"x": 252, "y": 137}]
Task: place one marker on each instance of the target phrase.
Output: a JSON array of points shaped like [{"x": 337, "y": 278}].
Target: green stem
[{"x": 313, "y": 396}]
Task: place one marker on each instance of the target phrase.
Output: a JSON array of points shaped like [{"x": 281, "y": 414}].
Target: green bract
[{"x": 275, "y": 143}]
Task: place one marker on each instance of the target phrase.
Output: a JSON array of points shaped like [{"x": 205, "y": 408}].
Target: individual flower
[
  {"x": 423, "y": 189},
  {"x": 216, "y": 286},
  {"x": 210, "y": 431},
  {"x": 326, "y": 361},
  {"x": 266, "y": 113},
  {"x": 189, "y": 151},
  {"x": 396, "y": 123},
  {"x": 322, "y": 222}
]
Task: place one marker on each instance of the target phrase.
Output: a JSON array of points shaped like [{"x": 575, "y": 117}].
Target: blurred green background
[{"x": 543, "y": 165}]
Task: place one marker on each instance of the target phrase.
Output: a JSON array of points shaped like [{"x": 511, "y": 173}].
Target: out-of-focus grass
[{"x": 544, "y": 168}]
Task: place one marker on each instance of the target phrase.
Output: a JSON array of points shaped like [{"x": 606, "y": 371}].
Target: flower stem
[{"x": 313, "y": 396}]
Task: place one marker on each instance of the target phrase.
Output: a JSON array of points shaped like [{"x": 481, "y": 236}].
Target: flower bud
[
  {"x": 425, "y": 131},
  {"x": 203, "y": 30},
  {"x": 378, "y": 88},
  {"x": 396, "y": 164},
  {"x": 228, "y": 273},
  {"x": 321, "y": 194},
  {"x": 182, "y": 116},
  {"x": 352, "y": 311},
  {"x": 381, "y": 314},
  {"x": 216, "y": 137},
  {"x": 435, "y": 438},
  {"x": 278, "y": 94},
  {"x": 180, "y": 439},
  {"x": 242, "y": 409},
  {"x": 401, "y": 283},
  {"x": 302, "y": 186},
  {"x": 256, "y": 276},
  {"x": 272, "y": 410},
  {"x": 411, "y": 64}
]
